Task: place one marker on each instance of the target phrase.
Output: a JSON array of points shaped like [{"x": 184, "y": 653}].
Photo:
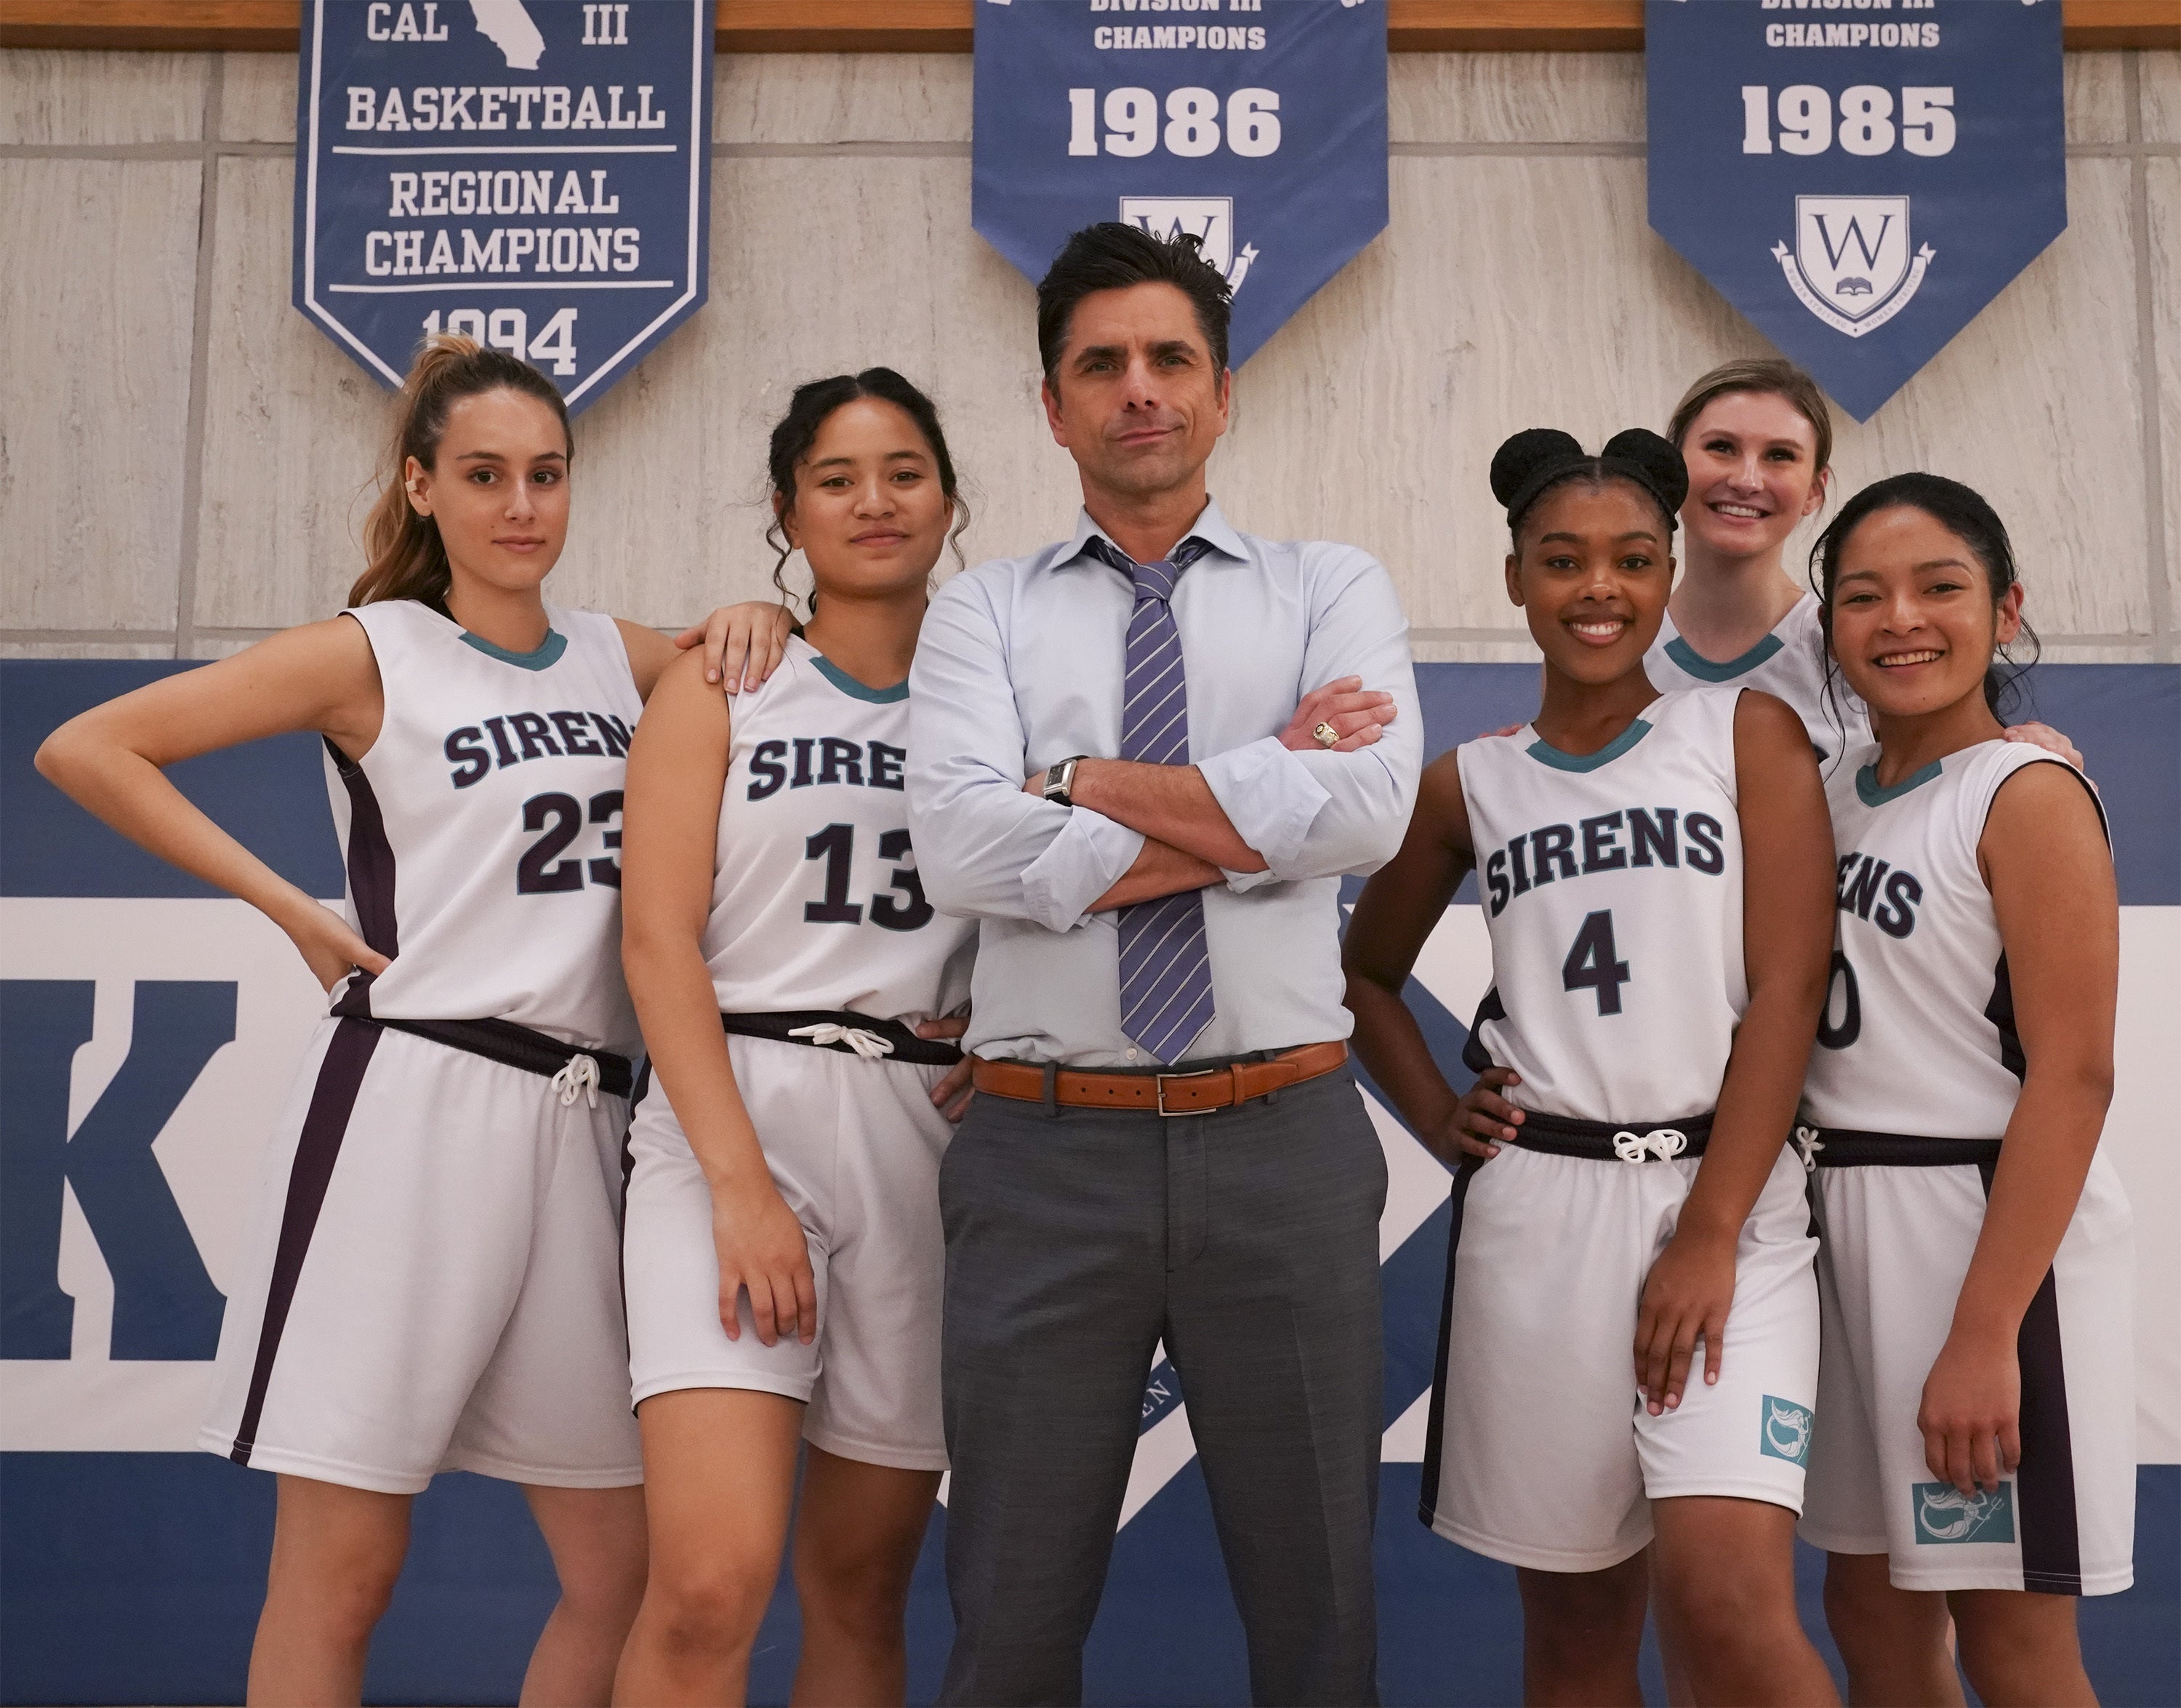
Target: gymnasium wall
[{"x": 186, "y": 460}]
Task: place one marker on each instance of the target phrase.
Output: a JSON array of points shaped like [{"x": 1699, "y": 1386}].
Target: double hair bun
[{"x": 1538, "y": 458}]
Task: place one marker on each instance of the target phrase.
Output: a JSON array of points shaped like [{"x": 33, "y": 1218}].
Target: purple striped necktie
[{"x": 1166, "y": 967}]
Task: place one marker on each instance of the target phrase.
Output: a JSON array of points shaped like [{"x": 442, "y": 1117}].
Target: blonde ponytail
[{"x": 406, "y": 558}]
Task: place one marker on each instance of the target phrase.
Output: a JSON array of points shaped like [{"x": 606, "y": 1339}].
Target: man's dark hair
[{"x": 1111, "y": 256}]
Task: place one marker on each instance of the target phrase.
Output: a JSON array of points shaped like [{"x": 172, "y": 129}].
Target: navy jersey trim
[
  {"x": 547, "y": 654},
  {"x": 1545, "y": 753},
  {"x": 859, "y": 691},
  {"x": 1868, "y": 791},
  {"x": 1688, "y": 659},
  {"x": 1435, "y": 1425},
  {"x": 370, "y": 860},
  {"x": 333, "y": 1101}
]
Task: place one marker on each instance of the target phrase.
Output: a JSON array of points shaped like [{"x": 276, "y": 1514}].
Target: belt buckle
[{"x": 1158, "y": 1083}]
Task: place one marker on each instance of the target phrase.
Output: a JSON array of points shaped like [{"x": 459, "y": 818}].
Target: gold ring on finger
[{"x": 1326, "y": 735}]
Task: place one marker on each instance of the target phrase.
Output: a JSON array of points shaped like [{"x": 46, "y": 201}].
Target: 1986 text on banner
[
  {"x": 533, "y": 173},
  {"x": 1859, "y": 180},
  {"x": 1258, "y": 125}
]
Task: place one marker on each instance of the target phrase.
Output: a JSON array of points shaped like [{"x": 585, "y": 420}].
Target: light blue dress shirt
[{"x": 1019, "y": 666}]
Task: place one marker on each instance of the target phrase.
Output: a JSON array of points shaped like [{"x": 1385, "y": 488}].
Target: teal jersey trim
[
  {"x": 1691, "y": 660},
  {"x": 859, "y": 691},
  {"x": 546, "y": 655},
  {"x": 1545, "y": 753},
  {"x": 1868, "y": 791}
]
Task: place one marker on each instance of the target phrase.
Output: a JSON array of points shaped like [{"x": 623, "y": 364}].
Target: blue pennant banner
[
  {"x": 1258, "y": 125},
  {"x": 1859, "y": 177},
  {"x": 533, "y": 173}
]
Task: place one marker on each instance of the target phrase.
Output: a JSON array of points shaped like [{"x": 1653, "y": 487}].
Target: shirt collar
[{"x": 1210, "y": 526}]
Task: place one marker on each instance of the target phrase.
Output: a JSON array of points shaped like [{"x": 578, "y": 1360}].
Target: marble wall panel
[
  {"x": 1514, "y": 98},
  {"x": 86, "y": 649},
  {"x": 92, "y": 453},
  {"x": 2097, "y": 94},
  {"x": 2037, "y": 404},
  {"x": 69, "y": 98},
  {"x": 800, "y": 98},
  {"x": 1507, "y": 293},
  {"x": 257, "y": 98},
  {"x": 671, "y": 465},
  {"x": 292, "y": 427},
  {"x": 2165, "y": 242},
  {"x": 2162, "y": 95}
]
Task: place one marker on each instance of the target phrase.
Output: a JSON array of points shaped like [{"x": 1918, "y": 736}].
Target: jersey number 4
[
  {"x": 835, "y": 844},
  {"x": 1591, "y": 963}
]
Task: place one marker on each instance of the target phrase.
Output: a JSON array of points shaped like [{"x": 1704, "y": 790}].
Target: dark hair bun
[
  {"x": 1654, "y": 461},
  {"x": 1532, "y": 453}
]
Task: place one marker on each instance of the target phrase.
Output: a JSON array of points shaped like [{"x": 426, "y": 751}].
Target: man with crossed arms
[{"x": 1168, "y": 1144}]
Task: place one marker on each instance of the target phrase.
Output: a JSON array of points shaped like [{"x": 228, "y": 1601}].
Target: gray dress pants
[{"x": 1247, "y": 1239}]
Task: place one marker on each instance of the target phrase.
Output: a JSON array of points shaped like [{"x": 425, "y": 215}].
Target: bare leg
[
  {"x": 1582, "y": 1634},
  {"x": 2021, "y": 1650},
  {"x": 719, "y": 1481},
  {"x": 1727, "y": 1602},
  {"x": 1895, "y": 1641},
  {"x": 336, "y": 1552},
  {"x": 596, "y": 1537},
  {"x": 1679, "y": 1693},
  {"x": 858, "y": 1533}
]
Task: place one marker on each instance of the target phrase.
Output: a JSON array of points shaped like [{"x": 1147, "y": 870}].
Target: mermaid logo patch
[
  {"x": 1786, "y": 1434},
  {"x": 1945, "y": 1514}
]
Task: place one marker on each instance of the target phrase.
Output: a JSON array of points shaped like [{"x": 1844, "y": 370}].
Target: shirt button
[{"x": 1132, "y": 1056}]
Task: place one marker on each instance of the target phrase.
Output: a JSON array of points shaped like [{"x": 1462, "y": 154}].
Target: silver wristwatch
[{"x": 1060, "y": 779}]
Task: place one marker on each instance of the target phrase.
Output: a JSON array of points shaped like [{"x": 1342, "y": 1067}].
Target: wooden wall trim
[{"x": 943, "y": 27}]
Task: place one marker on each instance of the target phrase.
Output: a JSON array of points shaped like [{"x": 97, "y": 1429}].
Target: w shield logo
[
  {"x": 1210, "y": 220},
  {"x": 1945, "y": 1514},
  {"x": 1850, "y": 266},
  {"x": 1786, "y": 1431}
]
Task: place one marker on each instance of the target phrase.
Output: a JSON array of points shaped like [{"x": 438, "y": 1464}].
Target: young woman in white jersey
[
  {"x": 784, "y": 1255},
  {"x": 1976, "y": 1451},
  {"x": 1657, "y": 881},
  {"x": 1758, "y": 438},
  {"x": 430, "y": 1280}
]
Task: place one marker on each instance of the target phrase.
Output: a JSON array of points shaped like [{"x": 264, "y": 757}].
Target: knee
[
  {"x": 864, "y": 1597},
  {"x": 1729, "y": 1617},
  {"x": 346, "y": 1600},
  {"x": 606, "y": 1593},
  {"x": 714, "y": 1612}
]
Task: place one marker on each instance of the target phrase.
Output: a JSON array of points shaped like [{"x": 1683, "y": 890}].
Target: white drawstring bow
[
  {"x": 579, "y": 1078},
  {"x": 1807, "y": 1142},
  {"x": 1664, "y": 1142},
  {"x": 868, "y": 1044}
]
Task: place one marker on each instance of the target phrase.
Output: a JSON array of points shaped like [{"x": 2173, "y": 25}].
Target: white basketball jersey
[
  {"x": 1612, "y": 889},
  {"x": 1790, "y": 662},
  {"x": 479, "y": 830},
  {"x": 815, "y": 899},
  {"x": 1918, "y": 1035}
]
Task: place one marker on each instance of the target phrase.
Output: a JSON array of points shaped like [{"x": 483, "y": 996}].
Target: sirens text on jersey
[
  {"x": 1634, "y": 836},
  {"x": 475, "y": 749}
]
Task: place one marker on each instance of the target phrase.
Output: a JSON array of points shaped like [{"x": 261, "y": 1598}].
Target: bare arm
[
  {"x": 2043, "y": 854},
  {"x": 1400, "y": 905},
  {"x": 677, "y": 767},
  {"x": 1788, "y": 938},
  {"x": 322, "y": 677},
  {"x": 1160, "y": 869}
]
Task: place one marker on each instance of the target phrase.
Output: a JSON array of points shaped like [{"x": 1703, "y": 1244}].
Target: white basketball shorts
[
  {"x": 1896, "y": 1243},
  {"x": 1540, "y": 1451},
  {"x": 431, "y": 1278},
  {"x": 853, "y": 1145}
]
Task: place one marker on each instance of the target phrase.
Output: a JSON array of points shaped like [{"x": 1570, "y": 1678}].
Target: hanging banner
[
  {"x": 533, "y": 173},
  {"x": 1257, "y": 125},
  {"x": 1859, "y": 177}
]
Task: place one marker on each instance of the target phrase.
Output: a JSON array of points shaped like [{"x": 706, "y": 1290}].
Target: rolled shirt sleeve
[
  {"x": 1322, "y": 814},
  {"x": 984, "y": 848}
]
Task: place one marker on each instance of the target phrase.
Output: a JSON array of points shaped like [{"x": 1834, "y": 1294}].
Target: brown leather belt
[{"x": 1197, "y": 1091}]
